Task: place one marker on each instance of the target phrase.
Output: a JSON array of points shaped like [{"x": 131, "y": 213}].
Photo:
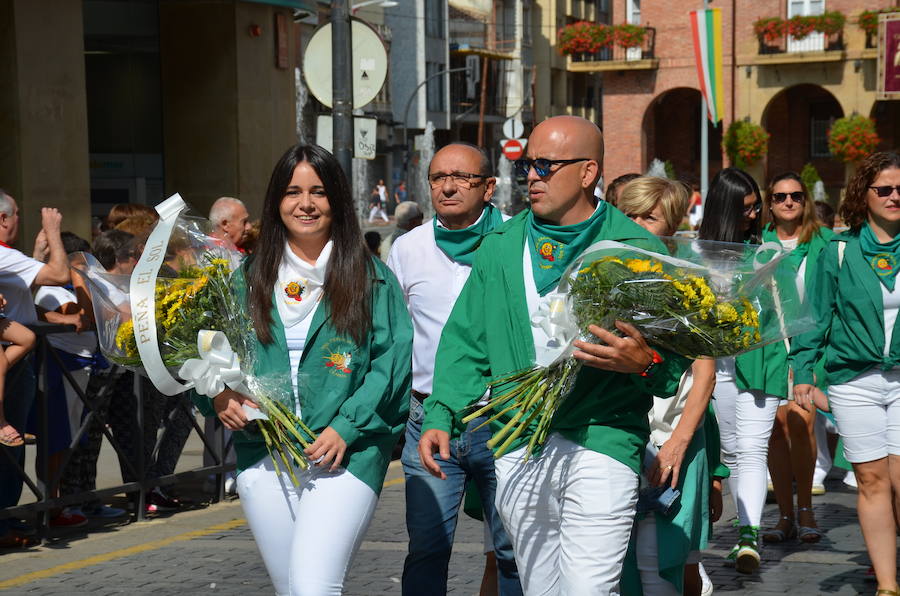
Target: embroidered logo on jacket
[{"x": 338, "y": 356}]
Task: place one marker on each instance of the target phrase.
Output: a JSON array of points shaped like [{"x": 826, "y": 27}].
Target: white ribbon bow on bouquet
[
  {"x": 555, "y": 319},
  {"x": 217, "y": 367}
]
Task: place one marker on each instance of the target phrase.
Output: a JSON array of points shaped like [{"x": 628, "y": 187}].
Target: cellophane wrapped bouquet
[
  {"x": 197, "y": 329},
  {"x": 701, "y": 300}
]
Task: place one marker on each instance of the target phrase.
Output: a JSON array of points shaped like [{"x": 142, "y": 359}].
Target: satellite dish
[{"x": 369, "y": 64}]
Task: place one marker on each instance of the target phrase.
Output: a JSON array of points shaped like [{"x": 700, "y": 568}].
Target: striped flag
[{"x": 707, "y": 29}]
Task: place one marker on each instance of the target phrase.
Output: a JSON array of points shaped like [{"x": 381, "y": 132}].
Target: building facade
[{"x": 647, "y": 98}]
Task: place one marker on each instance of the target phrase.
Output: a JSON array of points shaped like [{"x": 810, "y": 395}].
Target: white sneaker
[
  {"x": 850, "y": 480},
  {"x": 818, "y": 489},
  {"x": 706, "y": 585}
]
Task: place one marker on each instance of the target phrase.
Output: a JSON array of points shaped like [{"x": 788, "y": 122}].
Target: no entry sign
[{"x": 513, "y": 148}]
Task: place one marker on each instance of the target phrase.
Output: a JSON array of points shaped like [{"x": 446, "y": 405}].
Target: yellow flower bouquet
[
  {"x": 711, "y": 300},
  {"x": 179, "y": 320}
]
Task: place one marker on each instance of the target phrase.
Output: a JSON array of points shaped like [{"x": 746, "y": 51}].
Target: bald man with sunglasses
[{"x": 569, "y": 511}]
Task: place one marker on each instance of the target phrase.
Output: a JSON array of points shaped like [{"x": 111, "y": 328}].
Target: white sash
[{"x": 143, "y": 297}]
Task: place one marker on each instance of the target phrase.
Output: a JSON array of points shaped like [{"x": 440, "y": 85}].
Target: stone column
[{"x": 43, "y": 113}]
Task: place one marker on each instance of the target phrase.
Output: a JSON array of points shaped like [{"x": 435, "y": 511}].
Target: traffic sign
[
  {"x": 369, "y": 63},
  {"x": 363, "y": 135},
  {"x": 513, "y": 128},
  {"x": 513, "y": 148}
]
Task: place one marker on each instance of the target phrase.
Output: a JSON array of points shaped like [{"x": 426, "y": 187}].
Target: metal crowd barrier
[{"x": 215, "y": 445}]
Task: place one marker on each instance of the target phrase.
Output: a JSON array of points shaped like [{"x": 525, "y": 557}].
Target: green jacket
[
  {"x": 367, "y": 406},
  {"x": 766, "y": 368},
  {"x": 849, "y": 312},
  {"x": 488, "y": 336}
]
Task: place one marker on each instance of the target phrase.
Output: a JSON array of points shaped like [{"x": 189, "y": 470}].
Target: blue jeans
[
  {"x": 21, "y": 385},
  {"x": 432, "y": 506}
]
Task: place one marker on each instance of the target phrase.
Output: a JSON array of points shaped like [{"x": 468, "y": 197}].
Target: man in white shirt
[
  {"x": 432, "y": 263},
  {"x": 230, "y": 219},
  {"x": 18, "y": 274}
]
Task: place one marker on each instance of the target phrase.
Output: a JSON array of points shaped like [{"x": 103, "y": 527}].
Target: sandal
[
  {"x": 10, "y": 437},
  {"x": 888, "y": 592},
  {"x": 809, "y": 534},
  {"x": 785, "y": 529}
]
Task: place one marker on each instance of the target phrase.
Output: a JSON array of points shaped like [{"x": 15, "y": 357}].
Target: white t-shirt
[
  {"x": 295, "y": 336},
  {"x": 84, "y": 344},
  {"x": 17, "y": 273}
]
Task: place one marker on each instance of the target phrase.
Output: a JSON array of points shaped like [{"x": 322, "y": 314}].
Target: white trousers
[
  {"x": 647, "y": 551},
  {"x": 307, "y": 536},
  {"x": 379, "y": 211},
  {"x": 745, "y": 425},
  {"x": 569, "y": 514}
]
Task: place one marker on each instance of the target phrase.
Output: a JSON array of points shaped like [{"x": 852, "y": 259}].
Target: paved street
[{"x": 208, "y": 549}]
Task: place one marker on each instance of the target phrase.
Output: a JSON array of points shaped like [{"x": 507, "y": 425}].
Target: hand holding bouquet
[{"x": 713, "y": 300}]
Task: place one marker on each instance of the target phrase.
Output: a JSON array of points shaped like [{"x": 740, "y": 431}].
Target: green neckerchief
[
  {"x": 553, "y": 248},
  {"x": 797, "y": 255},
  {"x": 884, "y": 259},
  {"x": 460, "y": 245}
]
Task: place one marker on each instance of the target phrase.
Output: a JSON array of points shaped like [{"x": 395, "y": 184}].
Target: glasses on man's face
[
  {"x": 885, "y": 191},
  {"x": 754, "y": 208},
  {"x": 780, "y": 197},
  {"x": 542, "y": 166},
  {"x": 460, "y": 179}
]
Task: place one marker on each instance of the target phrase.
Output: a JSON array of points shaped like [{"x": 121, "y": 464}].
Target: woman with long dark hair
[
  {"x": 330, "y": 321},
  {"x": 745, "y": 407},
  {"x": 789, "y": 218},
  {"x": 855, "y": 300}
]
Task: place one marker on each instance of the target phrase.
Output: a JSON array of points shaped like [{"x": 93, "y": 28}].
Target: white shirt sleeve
[
  {"x": 51, "y": 298},
  {"x": 15, "y": 264}
]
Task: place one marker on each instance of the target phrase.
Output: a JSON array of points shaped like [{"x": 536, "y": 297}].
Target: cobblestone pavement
[{"x": 210, "y": 551}]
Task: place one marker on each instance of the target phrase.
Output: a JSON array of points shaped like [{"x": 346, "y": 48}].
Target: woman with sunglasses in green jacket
[
  {"x": 789, "y": 218},
  {"x": 855, "y": 300}
]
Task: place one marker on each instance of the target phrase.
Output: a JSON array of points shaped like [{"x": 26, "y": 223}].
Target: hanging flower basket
[
  {"x": 745, "y": 143},
  {"x": 831, "y": 23},
  {"x": 868, "y": 20},
  {"x": 852, "y": 138}
]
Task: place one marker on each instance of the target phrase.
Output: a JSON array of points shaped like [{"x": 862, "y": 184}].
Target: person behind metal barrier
[{"x": 18, "y": 275}]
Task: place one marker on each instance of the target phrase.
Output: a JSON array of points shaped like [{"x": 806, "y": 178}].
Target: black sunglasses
[
  {"x": 542, "y": 166},
  {"x": 754, "y": 208},
  {"x": 780, "y": 197},
  {"x": 885, "y": 191}
]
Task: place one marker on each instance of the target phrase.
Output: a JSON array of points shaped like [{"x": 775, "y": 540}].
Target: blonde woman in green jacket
[
  {"x": 325, "y": 311},
  {"x": 855, "y": 300},
  {"x": 789, "y": 218}
]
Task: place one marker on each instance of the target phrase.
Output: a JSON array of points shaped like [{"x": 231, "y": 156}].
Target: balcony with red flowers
[{"x": 595, "y": 47}]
